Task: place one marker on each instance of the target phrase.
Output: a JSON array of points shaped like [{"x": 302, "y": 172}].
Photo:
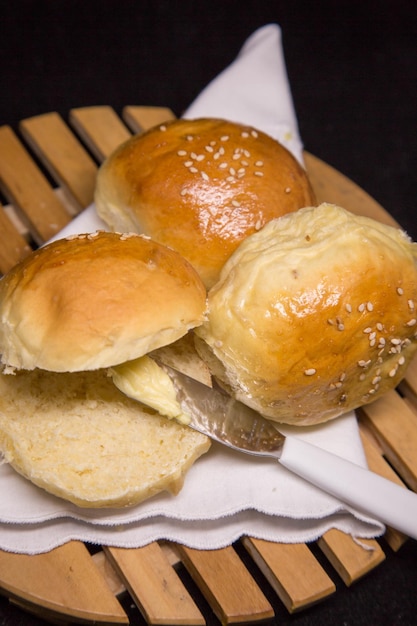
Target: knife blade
[{"x": 215, "y": 413}]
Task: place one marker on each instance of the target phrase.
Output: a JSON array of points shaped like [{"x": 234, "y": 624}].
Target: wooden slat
[
  {"x": 377, "y": 464},
  {"x": 394, "y": 425},
  {"x": 63, "y": 155},
  {"x": 408, "y": 386},
  {"x": 14, "y": 246},
  {"x": 63, "y": 582},
  {"x": 28, "y": 190},
  {"x": 154, "y": 585},
  {"x": 100, "y": 128},
  {"x": 141, "y": 118},
  {"x": 293, "y": 572},
  {"x": 331, "y": 186},
  {"x": 351, "y": 559},
  {"x": 227, "y": 585}
]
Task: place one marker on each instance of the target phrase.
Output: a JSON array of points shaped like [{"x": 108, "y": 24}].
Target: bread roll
[
  {"x": 92, "y": 301},
  {"x": 314, "y": 315},
  {"x": 200, "y": 186},
  {"x": 79, "y": 438}
]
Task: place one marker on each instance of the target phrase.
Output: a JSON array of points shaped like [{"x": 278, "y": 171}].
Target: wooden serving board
[{"x": 47, "y": 176}]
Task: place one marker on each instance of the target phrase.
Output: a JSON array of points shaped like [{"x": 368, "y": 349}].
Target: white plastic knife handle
[{"x": 364, "y": 490}]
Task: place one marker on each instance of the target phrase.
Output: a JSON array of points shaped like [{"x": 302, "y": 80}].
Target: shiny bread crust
[{"x": 200, "y": 186}]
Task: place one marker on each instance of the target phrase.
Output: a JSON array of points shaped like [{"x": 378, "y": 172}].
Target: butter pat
[{"x": 145, "y": 381}]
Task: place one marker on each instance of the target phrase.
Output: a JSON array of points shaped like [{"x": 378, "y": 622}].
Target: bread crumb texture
[{"x": 76, "y": 436}]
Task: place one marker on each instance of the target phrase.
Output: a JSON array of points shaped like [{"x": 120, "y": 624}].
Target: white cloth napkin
[{"x": 226, "y": 494}]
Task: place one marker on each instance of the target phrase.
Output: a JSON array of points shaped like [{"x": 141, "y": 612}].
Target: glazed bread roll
[
  {"x": 91, "y": 301},
  {"x": 78, "y": 437},
  {"x": 76, "y": 307},
  {"x": 200, "y": 186},
  {"x": 314, "y": 315}
]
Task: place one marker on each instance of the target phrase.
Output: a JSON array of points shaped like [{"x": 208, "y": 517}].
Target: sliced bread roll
[{"x": 78, "y": 437}]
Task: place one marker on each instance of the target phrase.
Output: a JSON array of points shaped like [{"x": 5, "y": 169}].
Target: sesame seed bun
[
  {"x": 92, "y": 301},
  {"x": 314, "y": 315},
  {"x": 200, "y": 186}
]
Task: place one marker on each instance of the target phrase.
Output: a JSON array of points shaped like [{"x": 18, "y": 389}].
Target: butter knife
[{"x": 213, "y": 412}]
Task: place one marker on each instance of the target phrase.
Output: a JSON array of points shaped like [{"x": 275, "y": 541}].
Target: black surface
[{"x": 353, "y": 72}]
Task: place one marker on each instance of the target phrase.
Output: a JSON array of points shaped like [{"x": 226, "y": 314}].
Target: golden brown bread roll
[
  {"x": 200, "y": 186},
  {"x": 91, "y": 301},
  {"x": 314, "y": 315}
]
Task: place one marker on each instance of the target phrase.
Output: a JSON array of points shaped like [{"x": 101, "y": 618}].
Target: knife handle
[{"x": 358, "y": 487}]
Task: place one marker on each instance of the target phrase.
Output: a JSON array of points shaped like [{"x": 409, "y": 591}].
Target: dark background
[{"x": 353, "y": 72}]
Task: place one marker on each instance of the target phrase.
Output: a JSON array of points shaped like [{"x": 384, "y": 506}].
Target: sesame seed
[
  {"x": 212, "y": 142},
  {"x": 411, "y": 322},
  {"x": 372, "y": 336},
  {"x": 376, "y": 380},
  {"x": 182, "y": 153},
  {"x": 259, "y": 163},
  {"x": 194, "y": 170},
  {"x": 392, "y": 372},
  {"x": 361, "y": 307},
  {"x": 190, "y": 137},
  {"x": 236, "y": 156},
  {"x": 362, "y": 377},
  {"x": 254, "y": 133},
  {"x": 183, "y": 192},
  {"x": 401, "y": 360},
  {"x": 188, "y": 163},
  {"x": 230, "y": 179},
  {"x": 367, "y": 330},
  {"x": 224, "y": 138},
  {"x": 235, "y": 203},
  {"x": 216, "y": 156},
  {"x": 162, "y": 128},
  {"x": 209, "y": 149},
  {"x": 244, "y": 163},
  {"x": 200, "y": 157},
  {"x": 348, "y": 308},
  {"x": 379, "y": 326},
  {"x": 259, "y": 173},
  {"x": 287, "y": 190},
  {"x": 310, "y": 372},
  {"x": 223, "y": 165},
  {"x": 411, "y": 305},
  {"x": 246, "y": 153},
  {"x": 400, "y": 291},
  {"x": 232, "y": 171},
  {"x": 204, "y": 175},
  {"x": 258, "y": 225},
  {"x": 369, "y": 306},
  {"x": 193, "y": 155},
  {"x": 396, "y": 342},
  {"x": 245, "y": 134}
]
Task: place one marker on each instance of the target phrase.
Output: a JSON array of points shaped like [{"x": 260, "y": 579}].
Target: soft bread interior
[{"x": 78, "y": 437}]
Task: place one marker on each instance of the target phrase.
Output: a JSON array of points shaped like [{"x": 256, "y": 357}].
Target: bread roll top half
[
  {"x": 314, "y": 315},
  {"x": 91, "y": 301},
  {"x": 200, "y": 186}
]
